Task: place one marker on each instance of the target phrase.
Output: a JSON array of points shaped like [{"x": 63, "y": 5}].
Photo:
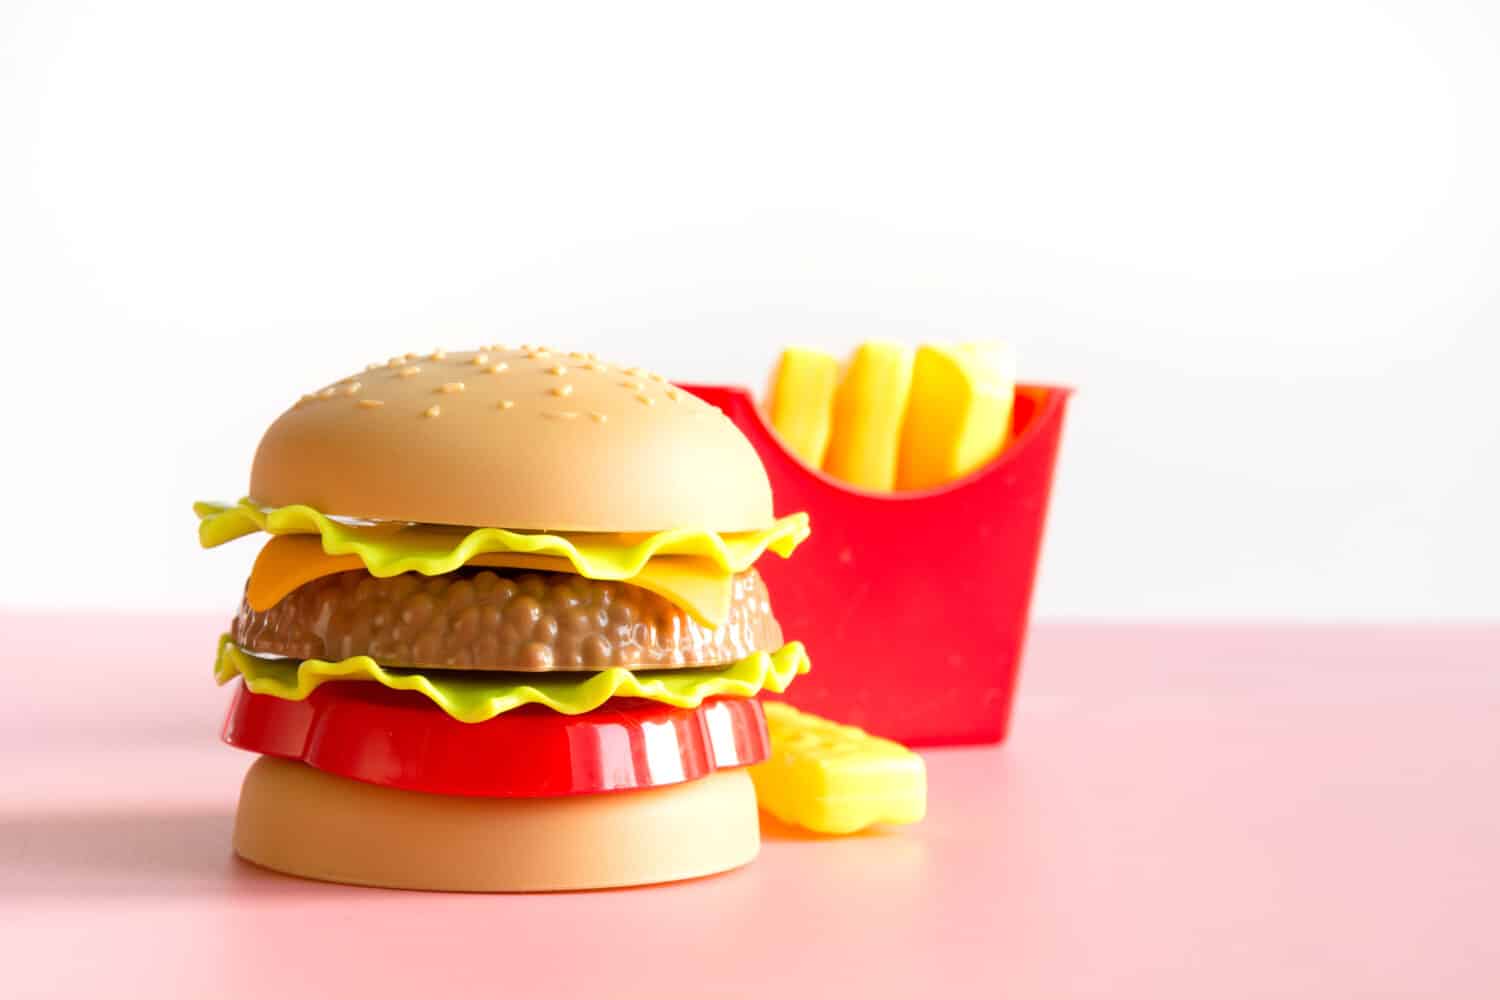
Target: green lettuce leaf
[
  {"x": 477, "y": 696},
  {"x": 390, "y": 548}
]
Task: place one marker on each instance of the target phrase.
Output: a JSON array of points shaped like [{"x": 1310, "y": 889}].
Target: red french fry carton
[{"x": 913, "y": 605}]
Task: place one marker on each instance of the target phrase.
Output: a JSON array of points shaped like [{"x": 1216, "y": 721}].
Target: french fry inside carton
[{"x": 929, "y": 503}]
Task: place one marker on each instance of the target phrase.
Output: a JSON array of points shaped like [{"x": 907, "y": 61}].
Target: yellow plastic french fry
[
  {"x": 830, "y": 778},
  {"x": 958, "y": 414},
  {"x": 801, "y": 403},
  {"x": 867, "y": 416}
]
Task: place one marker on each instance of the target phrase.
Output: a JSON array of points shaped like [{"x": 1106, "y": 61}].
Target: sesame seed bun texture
[
  {"x": 521, "y": 438},
  {"x": 503, "y": 633}
]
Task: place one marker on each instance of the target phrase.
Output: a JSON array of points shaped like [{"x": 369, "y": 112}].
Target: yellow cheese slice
[
  {"x": 699, "y": 586},
  {"x": 801, "y": 401},
  {"x": 958, "y": 415},
  {"x": 867, "y": 415}
]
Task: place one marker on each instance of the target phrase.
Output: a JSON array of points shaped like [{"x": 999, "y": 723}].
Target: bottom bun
[{"x": 302, "y": 821}]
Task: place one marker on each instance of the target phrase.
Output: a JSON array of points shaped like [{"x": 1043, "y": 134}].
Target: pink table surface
[{"x": 1181, "y": 812}]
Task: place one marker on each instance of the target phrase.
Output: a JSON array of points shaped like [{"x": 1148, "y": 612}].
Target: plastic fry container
[{"x": 913, "y": 606}]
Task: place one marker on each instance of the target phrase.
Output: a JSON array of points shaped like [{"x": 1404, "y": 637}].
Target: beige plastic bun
[
  {"x": 305, "y": 822},
  {"x": 513, "y": 439}
]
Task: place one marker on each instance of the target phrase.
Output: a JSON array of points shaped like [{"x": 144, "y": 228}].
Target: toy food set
[
  {"x": 927, "y": 473},
  {"x": 506, "y": 631}
]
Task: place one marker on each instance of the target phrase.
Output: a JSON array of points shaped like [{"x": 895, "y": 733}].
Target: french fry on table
[{"x": 830, "y": 778}]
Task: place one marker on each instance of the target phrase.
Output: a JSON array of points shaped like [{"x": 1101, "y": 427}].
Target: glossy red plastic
[
  {"x": 913, "y": 606},
  {"x": 399, "y": 739}
]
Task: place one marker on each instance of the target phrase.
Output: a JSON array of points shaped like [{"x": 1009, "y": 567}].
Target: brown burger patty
[{"x": 505, "y": 620}]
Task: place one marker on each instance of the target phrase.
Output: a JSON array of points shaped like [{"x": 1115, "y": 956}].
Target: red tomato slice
[{"x": 401, "y": 740}]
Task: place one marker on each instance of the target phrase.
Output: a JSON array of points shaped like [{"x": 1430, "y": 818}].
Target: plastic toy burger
[{"x": 506, "y": 632}]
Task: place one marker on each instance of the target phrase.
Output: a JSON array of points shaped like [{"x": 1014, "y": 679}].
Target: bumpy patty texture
[{"x": 488, "y": 620}]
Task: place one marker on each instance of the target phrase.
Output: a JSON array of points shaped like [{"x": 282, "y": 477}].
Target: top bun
[{"x": 529, "y": 438}]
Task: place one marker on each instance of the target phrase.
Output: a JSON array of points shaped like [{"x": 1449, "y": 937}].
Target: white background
[{"x": 1263, "y": 239}]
